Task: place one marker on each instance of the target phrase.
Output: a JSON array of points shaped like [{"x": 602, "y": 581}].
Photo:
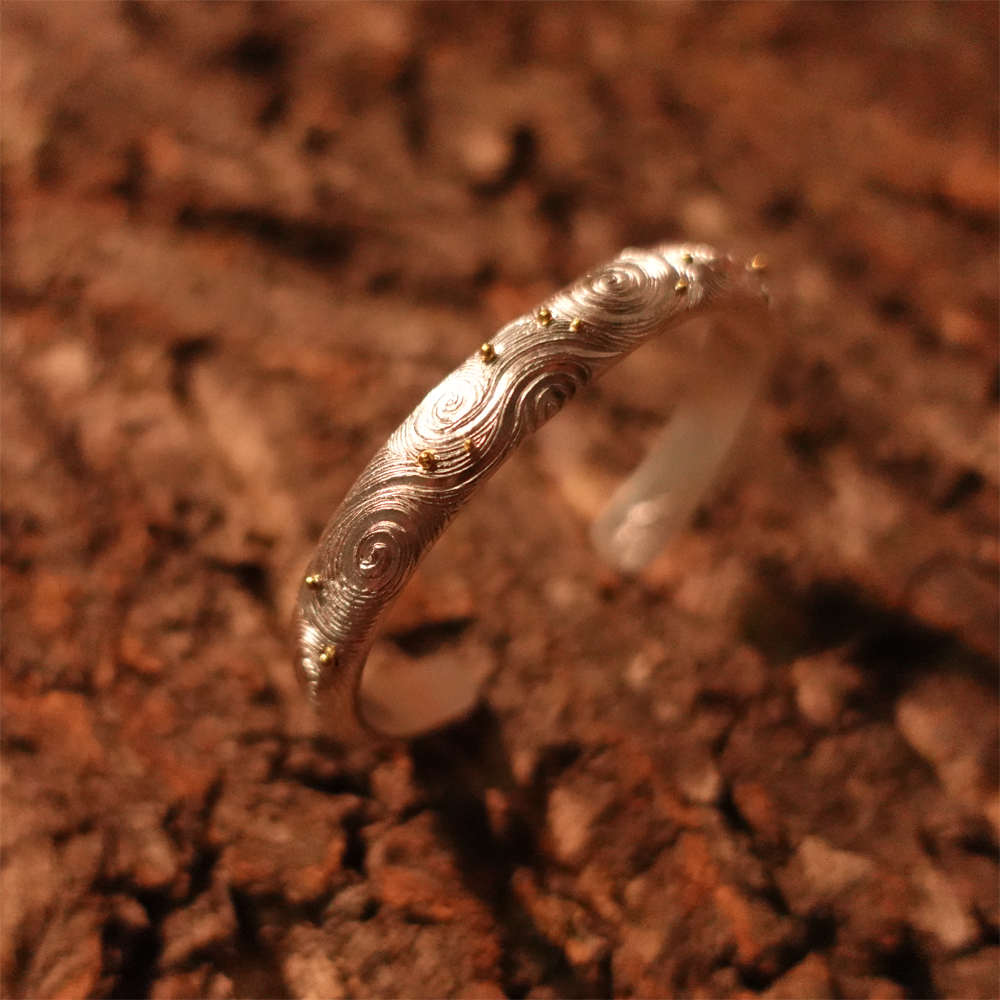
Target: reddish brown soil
[{"x": 240, "y": 241}]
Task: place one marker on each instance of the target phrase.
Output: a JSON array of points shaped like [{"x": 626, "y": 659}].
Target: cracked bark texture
[{"x": 240, "y": 242}]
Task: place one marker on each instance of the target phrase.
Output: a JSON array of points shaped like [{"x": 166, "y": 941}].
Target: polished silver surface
[{"x": 467, "y": 426}]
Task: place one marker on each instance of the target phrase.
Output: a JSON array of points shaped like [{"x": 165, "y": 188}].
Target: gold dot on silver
[
  {"x": 487, "y": 352},
  {"x": 314, "y": 582},
  {"x": 688, "y": 258},
  {"x": 682, "y": 286},
  {"x": 469, "y": 446},
  {"x": 328, "y": 655},
  {"x": 759, "y": 262},
  {"x": 576, "y": 324},
  {"x": 544, "y": 316},
  {"x": 428, "y": 460}
]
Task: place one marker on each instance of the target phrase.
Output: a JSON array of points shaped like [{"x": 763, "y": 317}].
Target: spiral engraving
[
  {"x": 618, "y": 293},
  {"x": 454, "y": 404},
  {"x": 542, "y": 395},
  {"x": 381, "y": 558},
  {"x": 465, "y": 428}
]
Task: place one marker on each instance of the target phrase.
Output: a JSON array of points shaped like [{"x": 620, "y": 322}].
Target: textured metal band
[{"x": 467, "y": 426}]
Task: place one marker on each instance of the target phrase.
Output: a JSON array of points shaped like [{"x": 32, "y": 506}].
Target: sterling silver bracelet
[{"x": 466, "y": 427}]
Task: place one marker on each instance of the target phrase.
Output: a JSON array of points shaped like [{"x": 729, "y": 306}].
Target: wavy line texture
[{"x": 465, "y": 428}]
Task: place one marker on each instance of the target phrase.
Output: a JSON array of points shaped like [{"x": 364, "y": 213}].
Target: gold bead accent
[
  {"x": 328, "y": 655},
  {"x": 759, "y": 262},
  {"x": 488, "y": 353},
  {"x": 314, "y": 582},
  {"x": 682, "y": 286},
  {"x": 576, "y": 324},
  {"x": 468, "y": 445},
  {"x": 544, "y": 316},
  {"x": 427, "y": 460},
  {"x": 688, "y": 258}
]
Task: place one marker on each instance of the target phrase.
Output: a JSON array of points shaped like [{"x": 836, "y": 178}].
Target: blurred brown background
[{"x": 240, "y": 241}]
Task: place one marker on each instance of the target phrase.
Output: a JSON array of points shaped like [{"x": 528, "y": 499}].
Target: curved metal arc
[{"x": 464, "y": 429}]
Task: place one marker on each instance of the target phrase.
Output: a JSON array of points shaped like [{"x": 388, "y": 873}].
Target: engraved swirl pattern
[
  {"x": 620, "y": 295},
  {"x": 379, "y": 555},
  {"x": 539, "y": 396},
  {"x": 465, "y": 428},
  {"x": 458, "y": 402}
]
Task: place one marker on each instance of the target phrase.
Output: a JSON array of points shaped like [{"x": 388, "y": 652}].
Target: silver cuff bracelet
[{"x": 467, "y": 426}]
